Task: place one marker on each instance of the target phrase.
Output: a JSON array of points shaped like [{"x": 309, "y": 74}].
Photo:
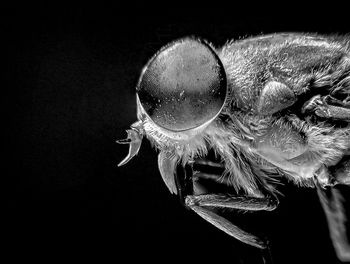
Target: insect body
[{"x": 266, "y": 106}]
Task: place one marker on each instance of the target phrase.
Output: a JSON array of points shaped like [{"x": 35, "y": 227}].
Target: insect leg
[
  {"x": 209, "y": 163},
  {"x": 341, "y": 171},
  {"x": 233, "y": 202},
  {"x": 333, "y": 205},
  {"x": 205, "y": 205},
  {"x": 183, "y": 181},
  {"x": 328, "y": 107},
  {"x": 226, "y": 226},
  {"x": 338, "y": 174}
]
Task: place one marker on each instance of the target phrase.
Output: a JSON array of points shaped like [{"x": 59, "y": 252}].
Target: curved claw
[{"x": 134, "y": 139}]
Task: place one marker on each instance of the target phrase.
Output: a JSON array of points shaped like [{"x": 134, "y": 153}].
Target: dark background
[{"x": 70, "y": 82}]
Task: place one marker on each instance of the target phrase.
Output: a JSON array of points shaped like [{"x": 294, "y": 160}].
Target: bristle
[{"x": 230, "y": 137}]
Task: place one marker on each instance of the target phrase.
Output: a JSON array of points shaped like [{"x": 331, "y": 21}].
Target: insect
[{"x": 266, "y": 106}]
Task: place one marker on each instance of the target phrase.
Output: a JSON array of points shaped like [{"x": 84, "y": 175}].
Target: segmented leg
[
  {"x": 209, "y": 163},
  {"x": 232, "y": 202},
  {"x": 205, "y": 206},
  {"x": 328, "y": 107},
  {"x": 338, "y": 174},
  {"x": 333, "y": 205},
  {"x": 226, "y": 226},
  {"x": 341, "y": 172}
]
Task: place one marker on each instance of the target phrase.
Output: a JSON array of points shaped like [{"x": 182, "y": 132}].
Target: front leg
[
  {"x": 224, "y": 225},
  {"x": 205, "y": 206},
  {"x": 233, "y": 202}
]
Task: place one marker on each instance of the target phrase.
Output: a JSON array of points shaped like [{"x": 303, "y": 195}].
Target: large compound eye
[{"x": 183, "y": 86}]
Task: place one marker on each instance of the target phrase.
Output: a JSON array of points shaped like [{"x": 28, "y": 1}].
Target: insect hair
[
  {"x": 231, "y": 134},
  {"x": 229, "y": 139}
]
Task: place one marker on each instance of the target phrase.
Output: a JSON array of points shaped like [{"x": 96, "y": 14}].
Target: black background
[{"x": 70, "y": 82}]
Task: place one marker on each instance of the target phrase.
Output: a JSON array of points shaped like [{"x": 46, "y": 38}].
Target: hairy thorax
[{"x": 296, "y": 147}]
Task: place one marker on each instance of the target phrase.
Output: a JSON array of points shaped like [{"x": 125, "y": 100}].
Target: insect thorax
[{"x": 230, "y": 140}]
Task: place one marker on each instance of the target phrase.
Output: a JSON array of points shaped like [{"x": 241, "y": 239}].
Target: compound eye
[{"x": 183, "y": 86}]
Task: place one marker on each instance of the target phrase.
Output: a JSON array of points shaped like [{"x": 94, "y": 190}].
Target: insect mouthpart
[{"x": 134, "y": 139}]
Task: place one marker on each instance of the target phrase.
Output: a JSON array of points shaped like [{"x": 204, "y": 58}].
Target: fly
[{"x": 267, "y": 106}]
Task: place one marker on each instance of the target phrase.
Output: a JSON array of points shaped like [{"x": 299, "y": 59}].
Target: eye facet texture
[{"x": 183, "y": 85}]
